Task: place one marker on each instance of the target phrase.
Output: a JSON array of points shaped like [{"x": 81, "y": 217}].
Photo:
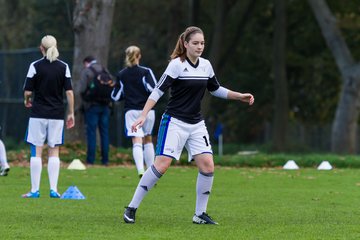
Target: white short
[
  {"x": 40, "y": 129},
  {"x": 131, "y": 116},
  {"x": 174, "y": 134}
]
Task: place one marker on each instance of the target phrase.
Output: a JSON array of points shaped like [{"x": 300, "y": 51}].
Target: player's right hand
[
  {"x": 138, "y": 124},
  {"x": 28, "y": 103}
]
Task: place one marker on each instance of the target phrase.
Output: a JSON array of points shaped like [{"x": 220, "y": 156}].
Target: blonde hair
[
  {"x": 132, "y": 55},
  {"x": 180, "y": 50},
  {"x": 50, "y": 46}
]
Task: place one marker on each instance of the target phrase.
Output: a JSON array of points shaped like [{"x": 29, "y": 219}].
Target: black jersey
[
  {"x": 134, "y": 85},
  {"x": 188, "y": 83},
  {"x": 47, "y": 80}
]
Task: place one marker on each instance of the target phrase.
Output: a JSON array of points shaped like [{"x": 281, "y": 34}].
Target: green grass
[{"x": 248, "y": 203}]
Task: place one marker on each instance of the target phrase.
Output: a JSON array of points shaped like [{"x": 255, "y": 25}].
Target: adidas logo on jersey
[{"x": 186, "y": 70}]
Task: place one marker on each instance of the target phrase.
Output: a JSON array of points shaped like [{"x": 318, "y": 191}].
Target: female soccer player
[
  {"x": 134, "y": 85},
  {"x": 4, "y": 166},
  {"x": 189, "y": 76},
  {"x": 45, "y": 82}
]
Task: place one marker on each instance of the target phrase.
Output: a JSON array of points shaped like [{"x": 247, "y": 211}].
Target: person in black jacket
[
  {"x": 97, "y": 112},
  {"x": 134, "y": 85}
]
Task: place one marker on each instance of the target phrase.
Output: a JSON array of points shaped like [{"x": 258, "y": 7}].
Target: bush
[{"x": 234, "y": 156}]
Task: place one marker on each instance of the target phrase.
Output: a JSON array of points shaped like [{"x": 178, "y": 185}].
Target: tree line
[{"x": 297, "y": 57}]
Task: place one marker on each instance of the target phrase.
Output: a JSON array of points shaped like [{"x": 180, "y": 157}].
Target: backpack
[{"x": 99, "y": 88}]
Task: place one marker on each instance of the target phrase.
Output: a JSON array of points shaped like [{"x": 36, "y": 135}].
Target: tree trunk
[
  {"x": 194, "y": 7},
  {"x": 174, "y": 25},
  {"x": 243, "y": 17},
  {"x": 217, "y": 55},
  {"x": 215, "y": 48},
  {"x": 92, "y": 28},
  {"x": 217, "y": 36},
  {"x": 281, "y": 102},
  {"x": 343, "y": 136}
]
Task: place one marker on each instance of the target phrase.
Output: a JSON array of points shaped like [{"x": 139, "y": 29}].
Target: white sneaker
[
  {"x": 203, "y": 219},
  {"x": 4, "y": 172}
]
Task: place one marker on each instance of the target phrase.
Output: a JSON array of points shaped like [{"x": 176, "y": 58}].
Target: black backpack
[{"x": 99, "y": 88}]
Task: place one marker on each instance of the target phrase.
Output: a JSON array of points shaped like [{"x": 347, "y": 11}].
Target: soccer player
[
  {"x": 188, "y": 75},
  {"x": 4, "y": 166},
  {"x": 134, "y": 85},
  {"x": 45, "y": 82}
]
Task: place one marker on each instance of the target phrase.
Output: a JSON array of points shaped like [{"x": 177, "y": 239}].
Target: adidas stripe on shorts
[
  {"x": 131, "y": 116},
  {"x": 41, "y": 130},
  {"x": 175, "y": 134}
]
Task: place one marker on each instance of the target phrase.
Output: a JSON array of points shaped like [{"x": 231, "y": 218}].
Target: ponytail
[
  {"x": 52, "y": 54},
  {"x": 132, "y": 55},
  {"x": 180, "y": 50},
  {"x": 50, "y": 46}
]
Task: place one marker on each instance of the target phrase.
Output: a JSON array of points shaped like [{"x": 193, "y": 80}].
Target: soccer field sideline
[{"x": 248, "y": 203}]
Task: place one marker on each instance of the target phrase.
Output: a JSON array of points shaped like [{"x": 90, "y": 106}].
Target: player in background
[
  {"x": 188, "y": 75},
  {"x": 134, "y": 85},
  {"x": 4, "y": 166},
  {"x": 44, "y": 85}
]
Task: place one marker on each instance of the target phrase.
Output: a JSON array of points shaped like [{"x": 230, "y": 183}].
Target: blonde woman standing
[
  {"x": 46, "y": 80},
  {"x": 134, "y": 85}
]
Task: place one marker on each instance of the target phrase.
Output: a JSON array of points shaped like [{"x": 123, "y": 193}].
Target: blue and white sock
[
  {"x": 138, "y": 157},
  {"x": 147, "y": 182},
  {"x": 35, "y": 173},
  {"x": 149, "y": 154},
  {"x": 203, "y": 189},
  {"x": 53, "y": 172},
  {"x": 3, "y": 159}
]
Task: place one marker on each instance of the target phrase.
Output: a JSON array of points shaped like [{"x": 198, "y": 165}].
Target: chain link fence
[{"x": 14, "y": 116}]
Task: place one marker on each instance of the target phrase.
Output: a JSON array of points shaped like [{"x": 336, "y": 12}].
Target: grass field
[{"x": 248, "y": 203}]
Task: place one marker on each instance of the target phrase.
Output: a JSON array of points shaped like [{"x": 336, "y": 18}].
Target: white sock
[
  {"x": 148, "y": 180},
  {"x": 35, "y": 173},
  {"x": 203, "y": 189},
  {"x": 53, "y": 172},
  {"x": 138, "y": 157},
  {"x": 149, "y": 154},
  {"x": 3, "y": 159}
]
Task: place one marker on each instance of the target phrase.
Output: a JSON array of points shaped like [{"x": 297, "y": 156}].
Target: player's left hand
[
  {"x": 247, "y": 97},
  {"x": 70, "y": 121}
]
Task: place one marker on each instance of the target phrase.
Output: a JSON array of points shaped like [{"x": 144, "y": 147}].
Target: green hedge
[{"x": 68, "y": 152}]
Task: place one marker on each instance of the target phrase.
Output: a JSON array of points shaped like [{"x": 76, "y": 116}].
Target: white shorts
[
  {"x": 174, "y": 134},
  {"x": 131, "y": 116},
  {"x": 41, "y": 129}
]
